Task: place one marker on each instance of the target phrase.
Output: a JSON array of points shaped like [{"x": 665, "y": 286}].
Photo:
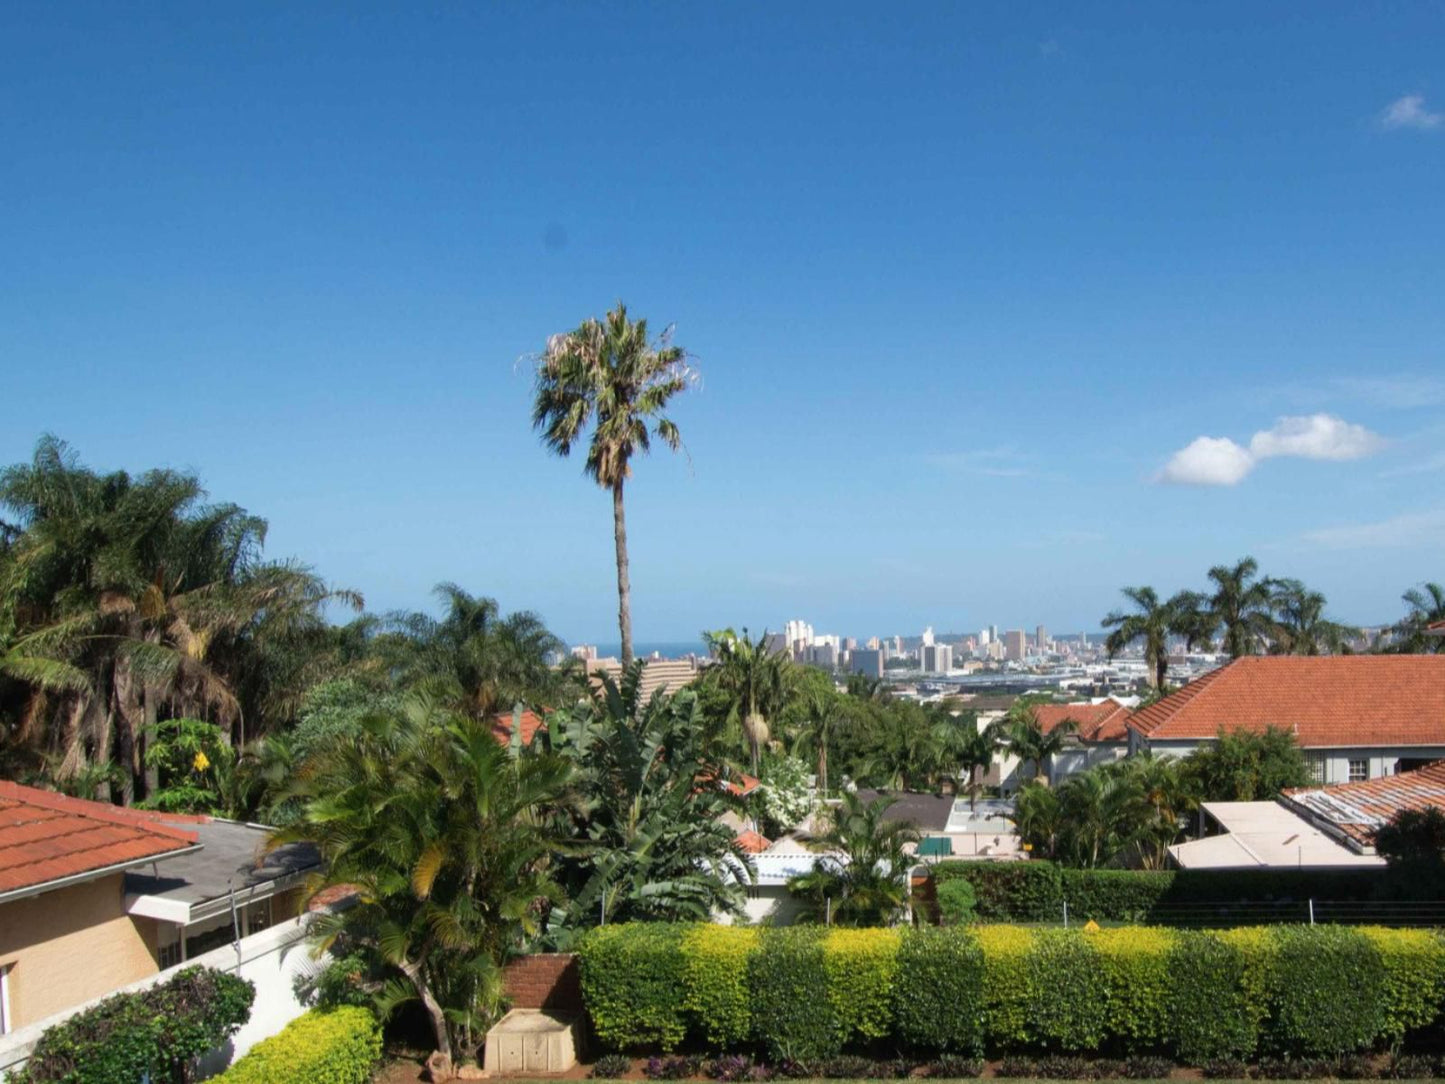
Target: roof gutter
[{"x": 92, "y": 875}]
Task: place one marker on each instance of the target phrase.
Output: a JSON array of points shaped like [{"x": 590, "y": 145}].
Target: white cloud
[
  {"x": 1219, "y": 461},
  {"x": 1315, "y": 436},
  {"x": 1208, "y": 461},
  {"x": 1410, "y": 112},
  {"x": 1405, "y": 531}
]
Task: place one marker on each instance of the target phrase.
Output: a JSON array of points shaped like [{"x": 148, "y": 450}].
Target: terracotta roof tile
[
  {"x": 1329, "y": 701},
  {"x": 1357, "y": 809},
  {"x": 1104, "y": 721},
  {"x": 753, "y": 842},
  {"x": 531, "y": 723},
  {"x": 46, "y": 837}
]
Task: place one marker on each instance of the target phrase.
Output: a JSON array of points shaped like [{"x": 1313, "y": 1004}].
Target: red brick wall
[{"x": 545, "y": 981}]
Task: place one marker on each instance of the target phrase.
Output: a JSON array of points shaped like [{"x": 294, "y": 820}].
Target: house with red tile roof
[
  {"x": 94, "y": 897},
  {"x": 1357, "y": 717},
  {"x": 1100, "y": 736}
]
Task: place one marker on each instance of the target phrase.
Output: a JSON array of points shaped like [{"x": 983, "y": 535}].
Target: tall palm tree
[
  {"x": 1426, "y": 606},
  {"x": 967, "y": 748},
  {"x": 1301, "y": 627},
  {"x": 861, "y": 874},
  {"x": 607, "y": 374},
  {"x": 1241, "y": 606},
  {"x": 1025, "y": 738},
  {"x": 755, "y": 680},
  {"x": 1154, "y": 622}
]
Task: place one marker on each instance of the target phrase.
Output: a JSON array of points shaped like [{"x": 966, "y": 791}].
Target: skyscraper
[
  {"x": 866, "y": 661},
  {"x": 1013, "y": 645},
  {"x": 1041, "y": 638},
  {"x": 928, "y": 636}
]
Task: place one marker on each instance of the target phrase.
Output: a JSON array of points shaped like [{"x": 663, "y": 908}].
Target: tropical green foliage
[
  {"x": 449, "y": 841},
  {"x": 648, "y": 815},
  {"x": 754, "y": 683},
  {"x": 1425, "y": 606},
  {"x": 1247, "y": 766},
  {"x": 340, "y": 1046},
  {"x": 608, "y": 375},
  {"x": 785, "y": 797},
  {"x": 1152, "y": 623},
  {"x": 860, "y": 877},
  {"x": 159, "y": 1031}
]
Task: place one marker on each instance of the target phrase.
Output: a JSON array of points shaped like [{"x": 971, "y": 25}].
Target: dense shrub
[
  {"x": 1414, "y": 962},
  {"x": 1005, "y": 984},
  {"x": 336, "y": 1047},
  {"x": 632, "y": 977},
  {"x": 159, "y": 1031},
  {"x": 1009, "y": 891},
  {"x": 1134, "y": 971},
  {"x": 715, "y": 970},
  {"x": 1211, "y": 1018},
  {"x": 860, "y": 966},
  {"x": 954, "y": 1067},
  {"x": 1066, "y": 991},
  {"x": 1114, "y": 895},
  {"x": 938, "y": 994},
  {"x": 793, "y": 1014},
  {"x": 1328, "y": 990},
  {"x": 956, "y": 901}
]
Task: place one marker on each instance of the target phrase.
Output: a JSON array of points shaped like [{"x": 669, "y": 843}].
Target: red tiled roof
[
  {"x": 45, "y": 837},
  {"x": 1328, "y": 701},
  {"x": 1096, "y": 722},
  {"x": 531, "y": 723},
  {"x": 1357, "y": 809},
  {"x": 753, "y": 842}
]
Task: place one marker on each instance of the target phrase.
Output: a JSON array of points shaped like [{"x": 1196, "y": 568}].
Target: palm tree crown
[
  {"x": 606, "y": 374},
  {"x": 1241, "y": 605}
]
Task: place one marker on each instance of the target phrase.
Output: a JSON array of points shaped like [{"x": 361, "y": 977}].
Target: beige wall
[{"x": 69, "y": 945}]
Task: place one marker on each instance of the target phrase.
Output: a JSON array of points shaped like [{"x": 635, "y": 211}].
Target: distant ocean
[{"x": 668, "y": 649}]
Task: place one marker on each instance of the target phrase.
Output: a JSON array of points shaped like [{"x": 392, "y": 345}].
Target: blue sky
[{"x": 960, "y": 279}]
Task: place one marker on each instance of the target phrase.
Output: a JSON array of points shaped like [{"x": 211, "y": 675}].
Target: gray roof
[
  {"x": 928, "y": 812},
  {"x": 232, "y": 857}
]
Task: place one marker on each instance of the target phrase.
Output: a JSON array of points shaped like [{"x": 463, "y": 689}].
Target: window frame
[{"x": 1350, "y": 764}]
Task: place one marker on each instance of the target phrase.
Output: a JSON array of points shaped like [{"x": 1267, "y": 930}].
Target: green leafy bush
[
  {"x": 938, "y": 994},
  {"x": 956, "y": 901},
  {"x": 1414, "y": 962},
  {"x": 1115, "y": 895},
  {"x": 861, "y": 966},
  {"x": 1009, "y": 891},
  {"x": 793, "y": 1014},
  {"x": 1066, "y": 991},
  {"x": 632, "y": 979},
  {"x": 1328, "y": 990},
  {"x": 339, "y": 1046},
  {"x": 1134, "y": 971},
  {"x": 158, "y": 1031},
  {"x": 715, "y": 968},
  {"x": 1210, "y": 1016},
  {"x": 1006, "y": 976}
]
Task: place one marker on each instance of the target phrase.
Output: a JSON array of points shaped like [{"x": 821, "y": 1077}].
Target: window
[
  {"x": 1359, "y": 771},
  {"x": 258, "y": 917},
  {"x": 6, "y": 1024},
  {"x": 168, "y": 953},
  {"x": 1316, "y": 762}
]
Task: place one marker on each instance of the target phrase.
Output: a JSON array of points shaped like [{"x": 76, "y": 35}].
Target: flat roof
[
  {"x": 232, "y": 858},
  {"x": 1266, "y": 835}
]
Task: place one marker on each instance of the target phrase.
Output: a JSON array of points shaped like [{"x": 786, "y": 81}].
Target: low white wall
[{"x": 270, "y": 959}]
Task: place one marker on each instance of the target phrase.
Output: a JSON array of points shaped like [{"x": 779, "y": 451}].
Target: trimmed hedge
[
  {"x": 338, "y": 1046},
  {"x": 159, "y": 1030},
  {"x": 1036, "y": 891},
  {"x": 806, "y": 993}
]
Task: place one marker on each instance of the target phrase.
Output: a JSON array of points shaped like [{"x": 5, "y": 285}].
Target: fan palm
[
  {"x": 1241, "y": 606},
  {"x": 447, "y": 839},
  {"x": 607, "y": 374},
  {"x": 860, "y": 878}
]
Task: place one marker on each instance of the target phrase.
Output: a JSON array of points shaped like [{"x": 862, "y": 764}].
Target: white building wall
[
  {"x": 1380, "y": 761},
  {"x": 271, "y": 959}
]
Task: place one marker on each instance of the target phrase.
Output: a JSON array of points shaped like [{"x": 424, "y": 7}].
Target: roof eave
[{"x": 92, "y": 875}]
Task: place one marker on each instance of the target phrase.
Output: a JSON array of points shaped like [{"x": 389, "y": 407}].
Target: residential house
[
  {"x": 1357, "y": 717},
  {"x": 94, "y": 897},
  {"x": 1101, "y": 736},
  {"x": 1330, "y": 827}
]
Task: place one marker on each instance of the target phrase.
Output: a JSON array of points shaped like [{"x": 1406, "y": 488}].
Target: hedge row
[
  {"x": 1036, "y": 891},
  {"x": 339, "y": 1046},
  {"x": 806, "y": 993},
  {"x": 157, "y": 1031}
]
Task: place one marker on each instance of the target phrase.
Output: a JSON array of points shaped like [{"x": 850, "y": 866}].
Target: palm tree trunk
[
  {"x": 624, "y": 587},
  {"x": 433, "y": 1009}
]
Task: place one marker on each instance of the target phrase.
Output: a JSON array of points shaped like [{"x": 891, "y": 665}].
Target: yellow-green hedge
[
  {"x": 807, "y": 993},
  {"x": 336, "y": 1047}
]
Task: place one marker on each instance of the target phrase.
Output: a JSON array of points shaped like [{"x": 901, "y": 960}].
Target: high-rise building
[
  {"x": 897, "y": 646},
  {"x": 849, "y": 643},
  {"x": 585, "y": 652},
  {"x": 935, "y": 658},
  {"x": 799, "y": 634},
  {"x": 984, "y": 638},
  {"x": 824, "y": 655},
  {"x": 1013, "y": 645},
  {"x": 928, "y": 636},
  {"x": 993, "y": 632},
  {"x": 868, "y": 661},
  {"x": 872, "y": 644},
  {"x": 1041, "y": 638}
]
